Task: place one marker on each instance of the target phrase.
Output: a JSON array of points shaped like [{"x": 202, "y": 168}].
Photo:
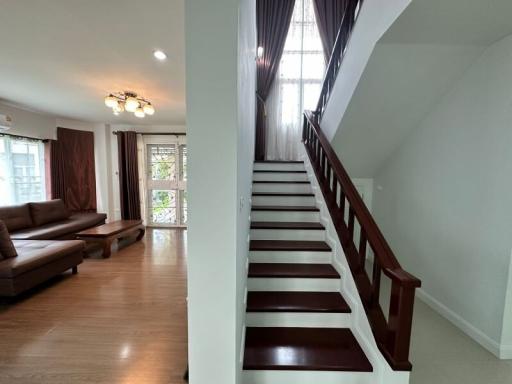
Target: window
[
  {"x": 22, "y": 177},
  {"x": 166, "y": 181},
  {"x": 297, "y": 85}
]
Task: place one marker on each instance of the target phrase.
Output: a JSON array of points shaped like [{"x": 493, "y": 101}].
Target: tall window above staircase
[{"x": 297, "y": 85}]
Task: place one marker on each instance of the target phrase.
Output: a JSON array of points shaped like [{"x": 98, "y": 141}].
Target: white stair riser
[
  {"x": 288, "y": 234},
  {"x": 279, "y": 167},
  {"x": 290, "y": 319},
  {"x": 300, "y": 201},
  {"x": 285, "y": 216},
  {"x": 292, "y": 284},
  {"x": 292, "y": 257},
  {"x": 281, "y": 188},
  {"x": 271, "y": 176},
  {"x": 308, "y": 377}
]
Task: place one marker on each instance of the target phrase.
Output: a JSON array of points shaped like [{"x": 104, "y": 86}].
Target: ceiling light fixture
[
  {"x": 130, "y": 102},
  {"x": 160, "y": 55}
]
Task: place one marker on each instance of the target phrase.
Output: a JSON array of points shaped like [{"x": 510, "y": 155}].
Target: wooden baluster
[
  {"x": 304, "y": 129},
  {"x": 324, "y": 167},
  {"x": 351, "y": 220},
  {"x": 376, "y": 275},
  {"x": 400, "y": 323},
  {"x": 328, "y": 180},
  {"x": 334, "y": 190},
  {"x": 342, "y": 206},
  {"x": 318, "y": 150},
  {"x": 362, "y": 248}
]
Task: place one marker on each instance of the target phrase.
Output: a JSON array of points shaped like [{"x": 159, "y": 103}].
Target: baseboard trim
[
  {"x": 506, "y": 352},
  {"x": 500, "y": 351}
]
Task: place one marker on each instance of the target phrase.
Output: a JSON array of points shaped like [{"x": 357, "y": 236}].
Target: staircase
[{"x": 298, "y": 324}]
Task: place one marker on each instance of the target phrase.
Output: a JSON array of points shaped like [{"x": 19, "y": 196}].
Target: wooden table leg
[
  {"x": 142, "y": 232},
  {"x": 107, "y": 248}
]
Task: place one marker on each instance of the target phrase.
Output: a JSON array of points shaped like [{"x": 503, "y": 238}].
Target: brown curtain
[
  {"x": 329, "y": 14},
  {"x": 72, "y": 169},
  {"x": 128, "y": 175},
  {"x": 272, "y": 20}
]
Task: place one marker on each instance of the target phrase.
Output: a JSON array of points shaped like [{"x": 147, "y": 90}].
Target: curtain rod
[
  {"x": 24, "y": 137},
  {"x": 155, "y": 133}
]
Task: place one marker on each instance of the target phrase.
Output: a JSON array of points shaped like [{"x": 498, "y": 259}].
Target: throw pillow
[{"x": 7, "y": 249}]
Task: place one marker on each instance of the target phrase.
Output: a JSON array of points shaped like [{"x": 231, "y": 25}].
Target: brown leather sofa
[
  {"x": 36, "y": 262},
  {"x": 47, "y": 220},
  {"x": 40, "y": 233}
]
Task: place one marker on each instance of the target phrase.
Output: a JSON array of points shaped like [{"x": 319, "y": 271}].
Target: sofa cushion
[
  {"x": 34, "y": 254},
  {"x": 48, "y": 212},
  {"x": 7, "y": 249},
  {"x": 16, "y": 217},
  {"x": 60, "y": 229}
]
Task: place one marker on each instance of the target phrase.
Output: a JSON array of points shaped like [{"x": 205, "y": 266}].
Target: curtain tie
[{"x": 262, "y": 102}]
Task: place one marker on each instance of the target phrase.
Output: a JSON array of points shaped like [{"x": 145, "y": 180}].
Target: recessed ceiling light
[{"x": 160, "y": 55}]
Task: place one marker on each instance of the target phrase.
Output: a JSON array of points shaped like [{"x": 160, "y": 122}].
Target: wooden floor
[{"x": 120, "y": 320}]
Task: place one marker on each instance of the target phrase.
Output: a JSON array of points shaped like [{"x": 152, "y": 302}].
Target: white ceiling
[
  {"x": 63, "y": 56},
  {"x": 414, "y": 64}
]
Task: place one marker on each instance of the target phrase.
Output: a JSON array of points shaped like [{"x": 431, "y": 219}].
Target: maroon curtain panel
[
  {"x": 272, "y": 21},
  {"x": 72, "y": 169},
  {"x": 128, "y": 175},
  {"x": 329, "y": 15}
]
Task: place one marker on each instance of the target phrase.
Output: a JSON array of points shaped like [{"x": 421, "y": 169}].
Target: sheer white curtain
[{"x": 297, "y": 84}]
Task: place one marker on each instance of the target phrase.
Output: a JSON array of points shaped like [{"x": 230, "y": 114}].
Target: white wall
[
  {"x": 445, "y": 199},
  {"x": 245, "y": 157},
  {"x": 211, "y": 29},
  {"x": 28, "y": 123}
]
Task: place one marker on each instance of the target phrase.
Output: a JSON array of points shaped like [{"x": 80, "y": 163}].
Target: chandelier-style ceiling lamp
[{"x": 129, "y": 101}]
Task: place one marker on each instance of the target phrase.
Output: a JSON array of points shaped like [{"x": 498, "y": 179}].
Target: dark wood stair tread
[
  {"x": 286, "y": 225},
  {"x": 279, "y": 182},
  {"x": 287, "y": 194},
  {"x": 325, "y": 302},
  {"x": 288, "y": 270},
  {"x": 285, "y": 208},
  {"x": 280, "y": 161},
  {"x": 303, "y": 349},
  {"x": 277, "y": 171},
  {"x": 289, "y": 245}
]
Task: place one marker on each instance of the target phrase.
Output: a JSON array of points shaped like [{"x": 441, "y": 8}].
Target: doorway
[{"x": 166, "y": 181}]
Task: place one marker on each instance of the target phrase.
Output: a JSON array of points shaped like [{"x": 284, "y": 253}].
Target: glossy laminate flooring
[{"x": 119, "y": 321}]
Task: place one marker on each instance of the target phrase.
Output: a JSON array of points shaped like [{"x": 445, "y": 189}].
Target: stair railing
[
  {"x": 337, "y": 54},
  {"x": 394, "y": 333}
]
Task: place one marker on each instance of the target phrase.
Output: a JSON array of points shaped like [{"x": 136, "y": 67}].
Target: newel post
[{"x": 400, "y": 324}]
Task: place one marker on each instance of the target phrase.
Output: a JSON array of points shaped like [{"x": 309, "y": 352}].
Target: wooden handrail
[
  {"x": 337, "y": 54},
  {"x": 340, "y": 194}
]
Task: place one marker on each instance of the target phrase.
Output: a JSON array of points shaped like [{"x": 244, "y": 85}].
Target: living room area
[{"x": 93, "y": 182}]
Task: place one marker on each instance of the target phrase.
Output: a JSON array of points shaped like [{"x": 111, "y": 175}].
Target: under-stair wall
[{"x": 374, "y": 19}]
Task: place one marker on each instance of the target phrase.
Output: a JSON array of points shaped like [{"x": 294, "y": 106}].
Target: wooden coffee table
[{"x": 105, "y": 234}]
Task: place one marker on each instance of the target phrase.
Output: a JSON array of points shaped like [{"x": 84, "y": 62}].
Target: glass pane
[
  {"x": 313, "y": 66},
  {"x": 289, "y": 67},
  {"x": 183, "y": 162},
  {"x": 311, "y": 95},
  {"x": 290, "y": 103},
  {"x": 25, "y": 163},
  {"x": 162, "y": 162},
  {"x": 184, "y": 208},
  {"x": 163, "y": 207}
]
